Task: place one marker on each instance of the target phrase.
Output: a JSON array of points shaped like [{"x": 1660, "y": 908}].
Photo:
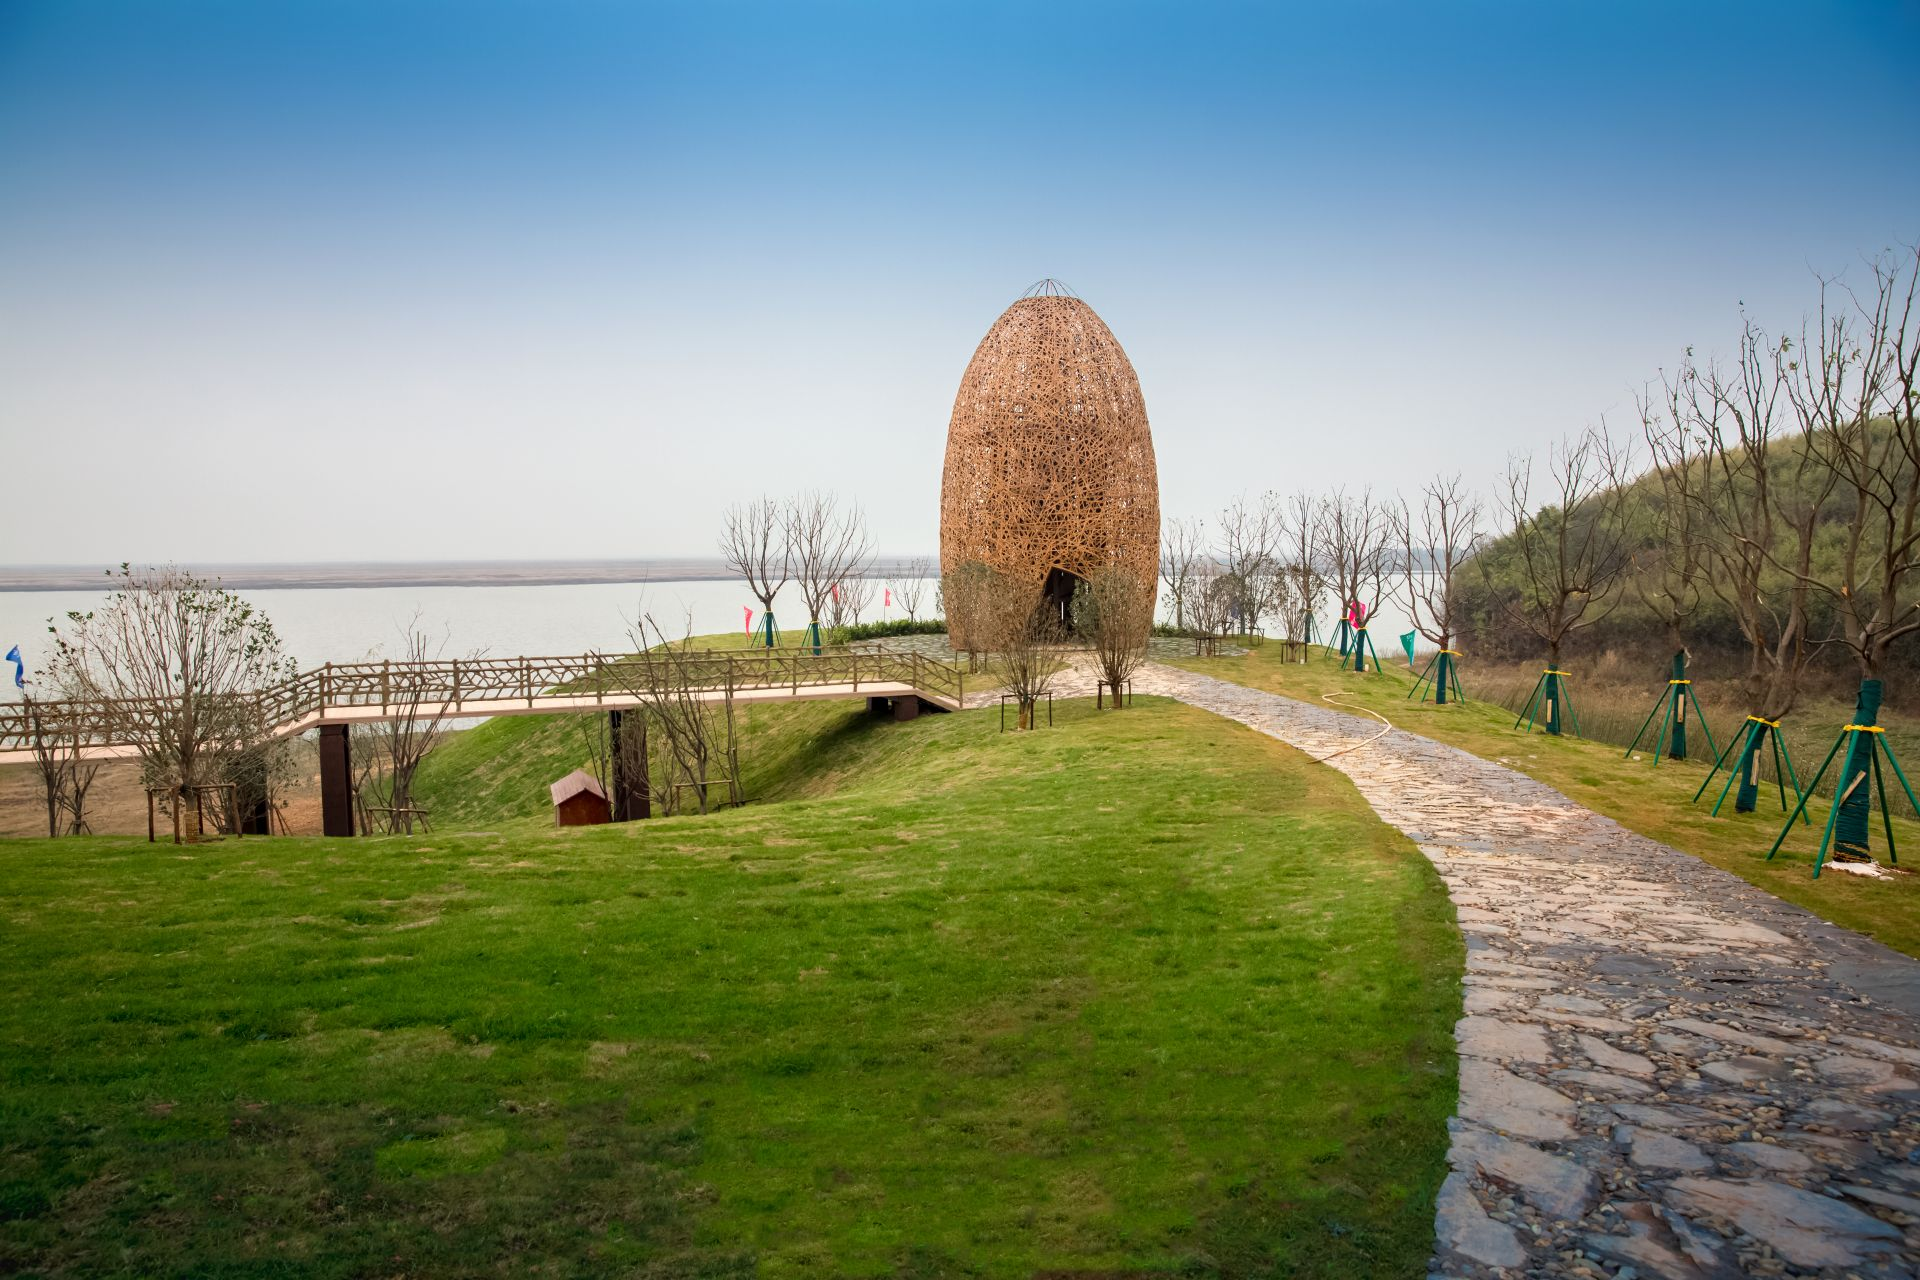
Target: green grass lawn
[
  {"x": 1147, "y": 992},
  {"x": 1653, "y": 801}
]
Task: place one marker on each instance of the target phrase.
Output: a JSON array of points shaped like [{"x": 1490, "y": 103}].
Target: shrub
[{"x": 896, "y": 627}]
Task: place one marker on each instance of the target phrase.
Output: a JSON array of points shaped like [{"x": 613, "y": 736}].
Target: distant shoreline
[{"x": 454, "y": 573}]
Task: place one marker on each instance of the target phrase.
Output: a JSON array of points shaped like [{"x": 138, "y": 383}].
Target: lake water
[{"x": 348, "y": 624}]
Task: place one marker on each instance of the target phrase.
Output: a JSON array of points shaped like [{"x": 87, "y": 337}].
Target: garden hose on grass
[{"x": 1329, "y": 697}]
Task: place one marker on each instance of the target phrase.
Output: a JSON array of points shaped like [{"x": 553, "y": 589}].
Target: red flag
[
  {"x": 748, "y": 621},
  {"x": 889, "y": 600},
  {"x": 836, "y": 591}
]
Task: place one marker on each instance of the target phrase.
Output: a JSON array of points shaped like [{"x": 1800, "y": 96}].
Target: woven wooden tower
[{"x": 1050, "y": 473}]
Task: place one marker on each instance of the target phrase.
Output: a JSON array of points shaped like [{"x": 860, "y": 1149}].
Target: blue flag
[{"x": 19, "y": 667}]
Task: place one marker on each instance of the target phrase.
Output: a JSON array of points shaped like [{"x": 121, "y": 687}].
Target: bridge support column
[
  {"x": 632, "y": 797},
  {"x": 907, "y": 708},
  {"x": 336, "y": 781}
]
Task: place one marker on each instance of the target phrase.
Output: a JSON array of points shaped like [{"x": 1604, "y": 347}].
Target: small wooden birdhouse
[{"x": 580, "y": 801}]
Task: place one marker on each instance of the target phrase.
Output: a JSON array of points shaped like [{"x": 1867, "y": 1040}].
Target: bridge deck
[{"x": 363, "y": 693}]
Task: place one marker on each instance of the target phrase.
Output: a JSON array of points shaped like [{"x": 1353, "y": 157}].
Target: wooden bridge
[{"x": 338, "y": 695}]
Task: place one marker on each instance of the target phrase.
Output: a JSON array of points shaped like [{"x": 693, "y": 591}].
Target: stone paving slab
[{"x": 1665, "y": 1071}]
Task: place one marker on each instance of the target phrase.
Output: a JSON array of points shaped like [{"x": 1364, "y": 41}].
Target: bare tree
[
  {"x": 1026, "y": 639},
  {"x": 1568, "y": 554},
  {"x": 688, "y": 706},
  {"x": 909, "y": 587},
  {"x": 1249, "y": 537},
  {"x": 1213, "y": 598},
  {"x": 969, "y": 594},
  {"x": 757, "y": 542},
  {"x": 1669, "y": 575},
  {"x": 1183, "y": 546},
  {"x": 1757, "y": 505},
  {"x": 830, "y": 545},
  {"x": 179, "y": 662},
  {"x": 1115, "y": 614},
  {"x": 395, "y": 747},
  {"x": 1301, "y": 524},
  {"x": 1357, "y": 534},
  {"x": 65, "y": 777},
  {"x": 847, "y": 600},
  {"x": 1435, "y": 542},
  {"x": 1855, "y": 394}
]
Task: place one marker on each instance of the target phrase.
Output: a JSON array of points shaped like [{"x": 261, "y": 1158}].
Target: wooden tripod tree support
[
  {"x": 1759, "y": 737},
  {"x": 1357, "y": 652},
  {"x": 1551, "y": 695},
  {"x": 1671, "y": 707},
  {"x": 1850, "y": 822},
  {"x": 1441, "y": 677}
]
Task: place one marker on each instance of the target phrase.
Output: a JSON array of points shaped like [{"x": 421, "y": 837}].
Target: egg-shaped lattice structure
[{"x": 1050, "y": 473}]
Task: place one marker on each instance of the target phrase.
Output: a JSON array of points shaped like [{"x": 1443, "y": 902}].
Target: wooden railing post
[
  {"x": 386, "y": 682},
  {"x": 456, "y": 684},
  {"x": 326, "y": 685}
]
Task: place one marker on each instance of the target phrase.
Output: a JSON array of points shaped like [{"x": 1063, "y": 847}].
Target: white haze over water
[{"x": 348, "y": 624}]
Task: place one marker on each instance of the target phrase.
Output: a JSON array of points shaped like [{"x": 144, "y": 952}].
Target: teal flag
[{"x": 1406, "y": 642}]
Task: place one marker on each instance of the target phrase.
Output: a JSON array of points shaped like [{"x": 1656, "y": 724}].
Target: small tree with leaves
[
  {"x": 1114, "y": 614},
  {"x": 178, "y": 662},
  {"x": 1024, "y": 635}
]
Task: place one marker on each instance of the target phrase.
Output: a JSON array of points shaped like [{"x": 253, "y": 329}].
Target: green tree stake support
[
  {"x": 1849, "y": 820},
  {"x": 1671, "y": 707},
  {"x": 1361, "y": 647},
  {"x": 1553, "y": 698},
  {"x": 1741, "y": 759},
  {"x": 1441, "y": 675},
  {"x": 813, "y": 640},
  {"x": 1343, "y": 633},
  {"x": 1853, "y": 826},
  {"x": 1307, "y": 635},
  {"x": 769, "y": 634}
]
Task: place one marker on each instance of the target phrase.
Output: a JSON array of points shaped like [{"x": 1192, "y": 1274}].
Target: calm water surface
[{"x": 352, "y": 623}]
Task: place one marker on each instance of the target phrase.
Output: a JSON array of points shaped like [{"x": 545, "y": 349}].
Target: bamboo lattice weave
[{"x": 1049, "y": 457}]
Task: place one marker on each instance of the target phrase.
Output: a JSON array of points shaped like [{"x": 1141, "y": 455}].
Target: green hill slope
[{"x": 1146, "y": 992}]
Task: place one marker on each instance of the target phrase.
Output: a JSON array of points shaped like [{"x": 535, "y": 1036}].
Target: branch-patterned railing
[{"x": 481, "y": 687}]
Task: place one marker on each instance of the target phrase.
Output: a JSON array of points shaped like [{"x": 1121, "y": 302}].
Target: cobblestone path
[{"x": 1663, "y": 1070}]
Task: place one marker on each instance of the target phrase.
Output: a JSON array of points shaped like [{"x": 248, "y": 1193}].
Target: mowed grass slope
[
  {"x": 1145, "y": 993},
  {"x": 498, "y": 772},
  {"x": 1655, "y": 801}
]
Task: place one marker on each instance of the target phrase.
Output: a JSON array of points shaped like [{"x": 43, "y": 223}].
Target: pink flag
[
  {"x": 889, "y": 600},
  {"x": 836, "y": 591},
  {"x": 748, "y": 621}
]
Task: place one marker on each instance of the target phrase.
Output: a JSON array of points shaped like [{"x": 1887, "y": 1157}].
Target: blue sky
[{"x": 416, "y": 280}]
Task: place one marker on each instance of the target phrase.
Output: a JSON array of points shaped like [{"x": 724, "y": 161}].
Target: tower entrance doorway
[{"x": 1058, "y": 594}]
